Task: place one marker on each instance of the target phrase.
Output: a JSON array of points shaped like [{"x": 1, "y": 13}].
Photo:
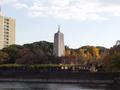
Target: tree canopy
[
  {"x": 42, "y": 53},
  {"x": 112, "y": 59}
]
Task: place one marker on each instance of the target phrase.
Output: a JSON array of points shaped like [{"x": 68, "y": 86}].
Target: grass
[{"x": 35, "y": 65}]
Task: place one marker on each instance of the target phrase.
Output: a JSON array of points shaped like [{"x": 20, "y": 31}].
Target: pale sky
[{"x": 83, "y": 22}]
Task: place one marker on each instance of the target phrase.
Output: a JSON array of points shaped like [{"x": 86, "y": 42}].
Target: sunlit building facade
[
  {"x": 7, "y": 31},
  {"x": 58, "y": 47}
]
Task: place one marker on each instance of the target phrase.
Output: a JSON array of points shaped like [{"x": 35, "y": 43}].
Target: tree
[
  {"x": 4, "y": 57},
  {"x": 112, "y": 59},
  {"x": 115, "y": 61},
  {"x": 95, "y": 53},
  {"x": 81, "y": 56},
  {"x": 25, "y": 57},
  {"x": 13, "y": 52}
]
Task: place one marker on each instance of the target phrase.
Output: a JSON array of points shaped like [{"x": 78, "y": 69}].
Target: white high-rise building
[
  {"x": 7, "y": 31},
  {"x": 58, "y": 47}
]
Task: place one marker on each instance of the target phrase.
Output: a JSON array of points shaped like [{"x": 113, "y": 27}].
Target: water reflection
[{"x": 38, "y": 86}]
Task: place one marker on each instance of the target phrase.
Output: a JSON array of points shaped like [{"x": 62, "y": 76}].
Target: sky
[{"x": 83, "y": 22}]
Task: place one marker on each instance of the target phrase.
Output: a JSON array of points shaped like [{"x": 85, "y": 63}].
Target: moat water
[{"x": 40, "y": 86}]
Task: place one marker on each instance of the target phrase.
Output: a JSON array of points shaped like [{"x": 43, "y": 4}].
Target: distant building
[
  {"x": 7, "y": 31},
  {"x": 58, "y": 47}
]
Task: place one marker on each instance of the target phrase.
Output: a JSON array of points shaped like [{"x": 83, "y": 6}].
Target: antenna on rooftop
[{"x": 58, "y": 28}]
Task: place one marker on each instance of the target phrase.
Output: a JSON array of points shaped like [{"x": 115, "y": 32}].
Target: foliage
[
  {"x": 115, "y": 61},
  {"x": 13, "y": 52},
  {"x": 112, "y": 59},
  {"x": 34, "y": 53},
  {"x": 42, "y": 53},
  {"x": 4, "y": 57},
  {"x": 85, "y": 55}
]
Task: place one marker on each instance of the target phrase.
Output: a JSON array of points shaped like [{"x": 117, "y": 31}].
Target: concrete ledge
[{"x": 58, "y": 81}]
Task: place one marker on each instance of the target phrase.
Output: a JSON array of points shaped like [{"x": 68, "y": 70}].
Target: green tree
[
  {"x": 13, "y": 52},
  {"x": 4, "y": 57},
  {"x": 112, "y": 59},
  {"x": 115, "y": 61}
]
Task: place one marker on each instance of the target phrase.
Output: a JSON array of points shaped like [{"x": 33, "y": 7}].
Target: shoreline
[
  {"x": 109, "y": 84},
  {"x": 62, "y": 81},
  {"x": 87, "y": 79}
]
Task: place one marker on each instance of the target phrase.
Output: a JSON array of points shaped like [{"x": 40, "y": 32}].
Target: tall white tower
[
  {"x": 58, "y": 47},
  {"x": 7, "y": 30}
]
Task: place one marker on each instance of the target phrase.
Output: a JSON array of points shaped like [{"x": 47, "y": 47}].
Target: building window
[{"x": 6, "y": 19}]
